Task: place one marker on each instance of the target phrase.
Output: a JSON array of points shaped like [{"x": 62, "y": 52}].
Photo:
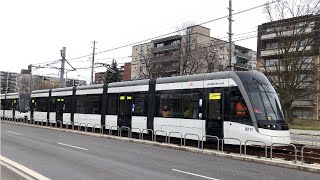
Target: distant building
[
  {"x": 124, "y": 73},
  {"x": 99, "y": 77},
  {"x": 272, "y": 40},
  {"x": 167, "y": 55},
  {"x": 8, "y": 82},
  {"x": 24, "y": 82}
]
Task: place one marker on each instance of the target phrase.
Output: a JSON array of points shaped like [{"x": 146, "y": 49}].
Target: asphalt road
[{"x": 61, "y": 155}]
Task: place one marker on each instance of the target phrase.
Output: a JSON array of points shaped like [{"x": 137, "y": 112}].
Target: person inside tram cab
[
  {"x": 165, "y": 111},
  {"x": 241, "y": 108}
]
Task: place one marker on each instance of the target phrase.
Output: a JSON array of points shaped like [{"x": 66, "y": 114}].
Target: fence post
[
  {"x": 265, "y": 145},
  {"x": 232, "y": 139},
  {"x": 295, "y": 150},
  {"x": 175, "y": 133},
  {"x": 155, "y": 135},
  {"x": 139, "y": 132},
  {"x": 147, "y": 131},
  {"x": 192, "y": 135},
  {"x": 218, "y": 140},
  {"x": 125, "y": 127}
]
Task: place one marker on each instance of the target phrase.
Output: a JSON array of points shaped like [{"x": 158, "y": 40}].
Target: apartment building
[
  {"x": 191, "y": 52},
  {"x": 293, "y": 44},
  {"x": 8, "y": 81}
]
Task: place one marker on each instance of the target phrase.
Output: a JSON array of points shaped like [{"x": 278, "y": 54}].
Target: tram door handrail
[
  {"x": 175, "y": 132},
  {"x": 210, "y": 136},
  {"x": 118, "y": 129},
  {"x": 162, "y": 131},
  {"x": 307, "y": 146},
  {"x": 139, "y": 132},
  {"x": 231, "y": 139},
  {"x": 94, "y": 128},
  {"x": 125, "y": 127},
  {"x": 265, "y": 146},
  {"x": 295, "y": 150},
  {"x": 191, "y": 134},
  {"x": 147, "y": 130}
]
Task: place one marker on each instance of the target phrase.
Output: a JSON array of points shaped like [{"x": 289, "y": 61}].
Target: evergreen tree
[{"x": 113, "y": 74}]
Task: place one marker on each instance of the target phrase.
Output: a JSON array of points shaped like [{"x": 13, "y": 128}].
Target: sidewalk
[{"x": 299, "y": 131}]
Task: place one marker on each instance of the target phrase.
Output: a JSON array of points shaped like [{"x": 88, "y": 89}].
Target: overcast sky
[{"x": 34, "y": 31}]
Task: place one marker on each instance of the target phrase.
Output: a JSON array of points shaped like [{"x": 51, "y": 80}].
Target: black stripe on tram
[{"x": 151, "y": 103}]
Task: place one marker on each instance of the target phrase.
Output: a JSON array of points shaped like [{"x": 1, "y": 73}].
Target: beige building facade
[{"x": 191, "y": 52}]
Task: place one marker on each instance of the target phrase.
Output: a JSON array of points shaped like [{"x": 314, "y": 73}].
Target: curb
[
  {"x": 274, "y": 162},
  {"x": 21, "y": 170}
]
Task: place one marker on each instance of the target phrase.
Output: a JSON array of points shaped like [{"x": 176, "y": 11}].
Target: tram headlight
[
  {"x": 275, "y": 126},
  {"x": 269, "y": 126}
]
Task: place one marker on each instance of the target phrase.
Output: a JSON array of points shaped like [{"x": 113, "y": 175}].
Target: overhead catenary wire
[{"x": 173, "y": 32}]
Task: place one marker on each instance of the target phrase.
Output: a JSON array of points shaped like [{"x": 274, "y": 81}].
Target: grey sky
[{"x": 34, "y": 31}]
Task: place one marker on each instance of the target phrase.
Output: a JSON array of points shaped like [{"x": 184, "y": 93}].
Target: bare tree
[
  {"x": 293, "y": 66},
  {"x": 43, "y": 84}
]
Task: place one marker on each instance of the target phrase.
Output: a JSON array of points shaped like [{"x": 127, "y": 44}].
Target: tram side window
[
  {"x": 88, "y": 104},
  {"x": 190, "y": 105},
  {"x": 93, "y": 104},
  {"x": 2, "y": 104},
  {"x": 41, "y": 104},
  {"x": 67, "y": 104},
  {"x": 170, "y": 104},
  {"x": 7, "y": 104},
  {"x": 140, "y": 104},
  {"x": 238, "y": 107},
  {"x": 80, "y": 104},
  {"x": 113, "y": 100},
  {"x": 53, "y": 104}
]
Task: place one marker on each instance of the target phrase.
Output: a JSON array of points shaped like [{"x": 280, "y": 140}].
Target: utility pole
[
  {"x": 30, "y": 72},
  {"x": 92, "y": 66},
  {"x": 230, "y": 35},
  {"x": 63, "y": 56}
]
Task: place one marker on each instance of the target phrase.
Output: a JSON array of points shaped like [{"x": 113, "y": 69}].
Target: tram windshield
[{"x": 265, "y": 102}]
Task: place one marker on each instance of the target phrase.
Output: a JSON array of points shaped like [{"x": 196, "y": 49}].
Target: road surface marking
[
  {"x": 198, "y": 175},
  {"x": 21, "y": 170},
  {"x": 72, "y": 146},
  {"x": 14, "y": 133}
]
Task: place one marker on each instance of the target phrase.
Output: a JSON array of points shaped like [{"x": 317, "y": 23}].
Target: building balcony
[
  {"x": 242, "y": 55},
  {"x": 170, "y": 47},
  {"x": 286, "y": 33},
  {"x": 303, "y": 103}
]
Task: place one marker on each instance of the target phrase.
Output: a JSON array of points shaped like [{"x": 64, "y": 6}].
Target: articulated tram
[
  {"x": 202, "y": 104},
  {"x": 15, "y": 105}
]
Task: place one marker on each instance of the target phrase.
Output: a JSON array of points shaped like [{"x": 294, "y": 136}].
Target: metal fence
[{"x": 168, "y": 136}]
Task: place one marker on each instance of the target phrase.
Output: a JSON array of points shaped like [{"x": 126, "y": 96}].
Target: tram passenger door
[
  {"x": 125, "y": 111},
  {"x": 214, "y": 120},
  {"x": 59, "y": 108}
]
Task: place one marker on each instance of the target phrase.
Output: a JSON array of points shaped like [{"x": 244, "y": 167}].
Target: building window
[{"x": 272, "y": 62}]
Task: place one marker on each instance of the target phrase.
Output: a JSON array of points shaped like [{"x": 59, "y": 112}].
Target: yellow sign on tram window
[
  {"x": 129, "y": 97},
  {"x": 122, "y": 97},
  {"x": 14, "y": 101},
  {"x": 33, "y": 101},
  {"x": 58, "y": 100},
  {"x": 213, "y": 96},
  {"x": 62, "y": 99}
]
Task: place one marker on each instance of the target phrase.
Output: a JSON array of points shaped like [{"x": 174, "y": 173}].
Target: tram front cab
[{"x": 264, "y": 108}]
